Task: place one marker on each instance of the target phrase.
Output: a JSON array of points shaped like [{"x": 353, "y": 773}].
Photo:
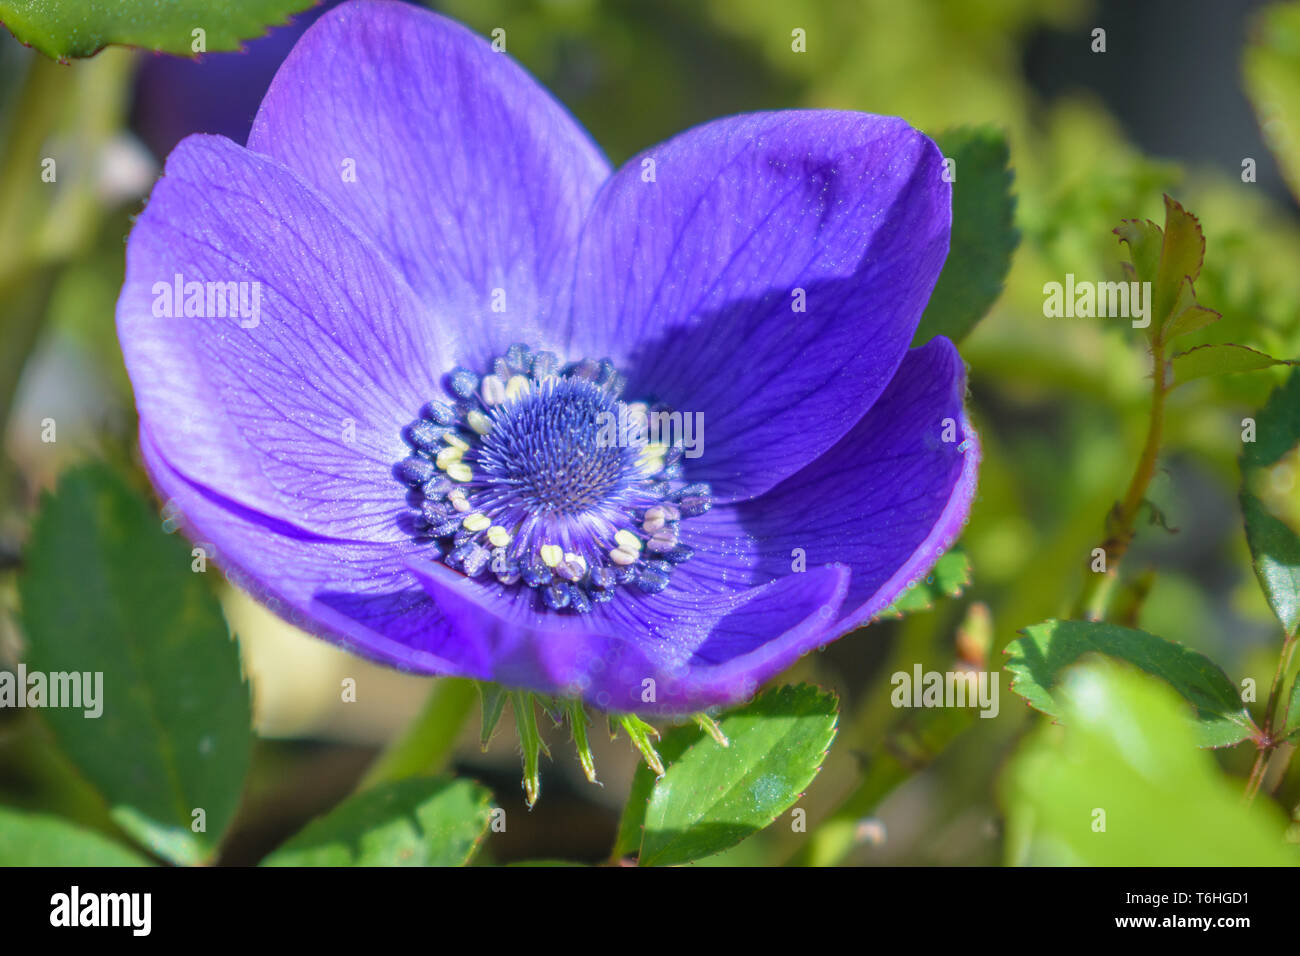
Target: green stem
[
  {"x": 1094, "y": 599},
  {"x": 426, "y": 744},
  {"x": 1273, "y": 721}
]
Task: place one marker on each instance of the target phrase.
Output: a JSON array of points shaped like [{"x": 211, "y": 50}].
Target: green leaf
[
  {"x": 713, "y": 797},
  {"x": 1170, "y": 259},
  {"x": 1206, "y": 360},
  {"x": 1271, "y": 66},
  {"x": 1121, "y": 784},
  {"x": 948, "y": 578},
  {"x": 1038, "y": 660},
  {"x": 33, "y": 839},
  {"x": 1291, "y": 725},
  {"x": 1188, "y": 317},
  {"x": 1275, "y": 555},
  {"x": 1277, "y": 429},
  {"x": 1274, "y": 542},
  {"x": 1145, "y": 242},
  {"x": 80, "y": 28},
  {"x": 983, "y": 233},
  {"x": 106, "y": 591},
  {"x": 1181, "y": 256},
  {"x": 420, "y": 821}
]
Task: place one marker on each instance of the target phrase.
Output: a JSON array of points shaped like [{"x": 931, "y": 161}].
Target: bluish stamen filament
[{"x": 516, "y": 477}]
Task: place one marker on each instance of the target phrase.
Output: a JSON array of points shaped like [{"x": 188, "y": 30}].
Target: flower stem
[
  {"x": 1094, "y": 599},
  {"x": 426, "y": 744}
]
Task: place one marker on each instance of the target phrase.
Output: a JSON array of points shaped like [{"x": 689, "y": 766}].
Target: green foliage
[
  {"x": 1274, "y": 544},
  {"x": 1271, "y": 67},
  {"x": 1170, "y": 259},
  {"x": 33, "y": 839},
  {"x": 1206, "y": 360},
  {"x": 983, "y": 233},
  {"x": 107, "y": 591},
  {"x": 1291, "y": 721},
  {"x": 1039, "y": 660},
  {"x": 429, "y": 821},
  {"x": 949, "y": 577},
  {"x": 713, "y": 797},
  {"x": 1122, "y": 784},
  {"x": 81, "y": 28}
]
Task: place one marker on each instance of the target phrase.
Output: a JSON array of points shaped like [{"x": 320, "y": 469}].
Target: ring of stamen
[{"x": 539, "y": 476}]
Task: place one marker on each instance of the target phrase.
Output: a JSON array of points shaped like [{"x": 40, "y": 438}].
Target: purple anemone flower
[{"x": 410, "y": 365}]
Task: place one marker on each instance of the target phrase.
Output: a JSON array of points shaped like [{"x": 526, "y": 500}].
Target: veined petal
[
  {"x": 357, "y": 594},
  {"x": 886, "y": 501},
  {"x": 294, "y": 405},
  {"x": 767, "y": 271},
  {"x": 446, "y": 153},
  {"x": 678, "y": 654}
]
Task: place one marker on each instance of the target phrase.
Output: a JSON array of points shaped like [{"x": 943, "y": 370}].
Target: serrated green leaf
[
  {"x": 1271, "y": 67},
  {"x": 1122, "y": 784},
  {"x": 1038, "y": 660},
  {"x": 948, "y": 578},
  {"x": 1186, "y": 316},
  {"x": 35, "y": 839},
  {"x": 421, "y": 821},
  {"x": 1206, "y": 360},
  {"x": 1181, "y": 256},
  {"x": 983, "y": 233},
  {"x": 631, "y": 825},
  {"x": 106, "y": 590},
  {"x": 712, "y": 798},
  {"x": 1145, "y": 242},
  {"x": 80, "y": 28}
]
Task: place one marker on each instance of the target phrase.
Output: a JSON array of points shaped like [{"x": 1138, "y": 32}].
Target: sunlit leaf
[
  {"x": 420, "y": 821},
  {"x": 80, "y": 28},
  {"x": 712, "y": 797},
  {"x": 34, "y": 839}
]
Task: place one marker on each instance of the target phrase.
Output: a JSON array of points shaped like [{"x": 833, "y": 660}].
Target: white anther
[
  {"x": 623, "y": 558},
  {"x": 493, "y": 391}
]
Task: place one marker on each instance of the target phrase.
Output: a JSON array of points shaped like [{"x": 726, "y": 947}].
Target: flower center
[{"x": 542, "y": 477}]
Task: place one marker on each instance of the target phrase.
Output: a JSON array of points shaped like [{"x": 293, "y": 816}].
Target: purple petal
[
  {"x": 693, "y": 279},
  {"x": 299, "y": 414},
  {"x": 886, "y": 501},
  {"x": 356, "y": 594},
  {"x": 467, "y": 173},
  {"x": 699, "y": 650}
]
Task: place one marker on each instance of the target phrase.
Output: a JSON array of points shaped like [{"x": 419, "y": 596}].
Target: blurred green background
[{"x": 1060, "y": 403}]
